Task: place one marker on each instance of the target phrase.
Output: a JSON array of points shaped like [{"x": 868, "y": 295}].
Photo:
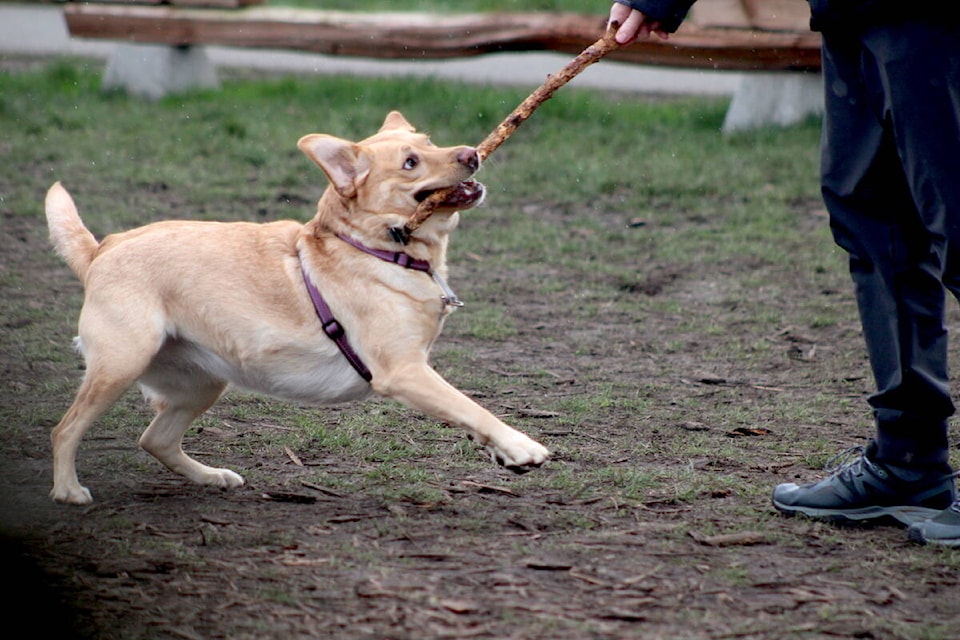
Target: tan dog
[{"x": 186, "y": 308}]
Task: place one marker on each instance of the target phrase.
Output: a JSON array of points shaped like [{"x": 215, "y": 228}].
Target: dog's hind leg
[
  {"x": 113, "y": 365},
  {"x": 97, "y": 393},
  {"x": 163, "y": 439}
]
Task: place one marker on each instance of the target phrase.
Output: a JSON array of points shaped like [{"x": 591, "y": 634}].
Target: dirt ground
[
  {"x": 475, "y": 552},
  {"x": 285, "y": 557}
]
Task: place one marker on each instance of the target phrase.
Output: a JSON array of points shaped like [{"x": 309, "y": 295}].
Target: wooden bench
[{"x": 164, "y": 50}]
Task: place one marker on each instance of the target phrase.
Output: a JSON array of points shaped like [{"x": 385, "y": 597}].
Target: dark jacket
[
  {"x": 824, "y": 14},
  {"x": 857, "y": 14},
  {"x": 670, "y": 13}
]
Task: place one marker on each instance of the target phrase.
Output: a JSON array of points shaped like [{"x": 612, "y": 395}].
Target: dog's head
[{"x": 394, "y": 170}]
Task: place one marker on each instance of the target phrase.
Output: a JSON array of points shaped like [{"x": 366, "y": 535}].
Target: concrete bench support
[
  {"x": 774, "y": 99},
  {"x": 154, "y": 70}
]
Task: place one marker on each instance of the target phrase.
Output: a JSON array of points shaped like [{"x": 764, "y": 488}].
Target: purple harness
[{"x": 332, "y": 327}]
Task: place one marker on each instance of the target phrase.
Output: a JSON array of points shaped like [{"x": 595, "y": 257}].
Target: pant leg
[
  {"x": 921, "y": 75},
  {"x": 884, "y": 165}
]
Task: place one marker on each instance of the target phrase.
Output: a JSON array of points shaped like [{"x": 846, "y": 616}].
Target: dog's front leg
[{"x": 420, "y": 387}]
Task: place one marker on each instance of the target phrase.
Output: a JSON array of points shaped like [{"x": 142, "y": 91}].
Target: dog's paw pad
[
  {"x": 520, "y": 459},
  {"x": 519, "y": 470}
]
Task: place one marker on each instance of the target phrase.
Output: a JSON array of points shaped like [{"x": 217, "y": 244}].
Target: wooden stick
[{"x": 498, "y": 136}]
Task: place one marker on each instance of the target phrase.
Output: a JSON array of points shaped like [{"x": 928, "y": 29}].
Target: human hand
[{"x": 634, "y": 25}]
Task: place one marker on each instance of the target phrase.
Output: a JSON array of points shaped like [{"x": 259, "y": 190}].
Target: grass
[
  {"x": 619, "y": 165},
  {"x": 699, "y": 247}
]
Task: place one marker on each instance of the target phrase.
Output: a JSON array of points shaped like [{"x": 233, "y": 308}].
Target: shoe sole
[
  {"x": 915, "y": 535},
  {"x": 903, "y": 515}
]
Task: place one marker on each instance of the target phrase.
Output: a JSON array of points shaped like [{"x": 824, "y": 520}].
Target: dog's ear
[
  {"x": 395, "y": 120},
  {"x": 343, "y": 162}
]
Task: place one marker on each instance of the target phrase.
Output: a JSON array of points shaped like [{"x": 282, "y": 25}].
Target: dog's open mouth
[{"x": 467, "y": 194}]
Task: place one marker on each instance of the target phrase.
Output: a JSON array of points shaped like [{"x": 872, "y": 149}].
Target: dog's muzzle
[{"x": 468, "y": 193}]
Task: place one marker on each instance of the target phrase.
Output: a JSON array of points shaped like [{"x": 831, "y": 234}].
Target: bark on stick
[{"x": 524, "y": 110}]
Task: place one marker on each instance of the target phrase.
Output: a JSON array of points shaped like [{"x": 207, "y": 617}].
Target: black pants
[{"x": 891, "y": 181}]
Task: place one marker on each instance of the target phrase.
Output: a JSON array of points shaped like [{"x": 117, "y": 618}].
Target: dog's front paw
[
  {"x": 221, "y": 478},
  {"x": 71, "y": 495},
  {"x": 519, "y": 454}
]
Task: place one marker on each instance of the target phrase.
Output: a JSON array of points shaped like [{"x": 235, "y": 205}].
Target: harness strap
[
  {"x": 333, "y": 328},
  {"x": 405, "y": 260}
]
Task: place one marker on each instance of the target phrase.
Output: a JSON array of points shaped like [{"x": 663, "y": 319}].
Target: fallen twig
[
  {"x": 489, "y": 488},
  {"x": 743, "y": 538},
  {"x": 293, "y": 457},
  {"x": 284, "y": 496},
  {"x": 322, "y": 489}
]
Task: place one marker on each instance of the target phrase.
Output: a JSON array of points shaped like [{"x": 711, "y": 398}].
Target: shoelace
[
  {"x": 845, "y": 459},
  {"x": 852, "y": 456}
]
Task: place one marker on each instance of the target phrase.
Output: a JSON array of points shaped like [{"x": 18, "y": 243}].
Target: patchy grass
[{"x": 659, "y": 303}]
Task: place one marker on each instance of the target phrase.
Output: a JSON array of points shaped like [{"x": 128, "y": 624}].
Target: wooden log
[
  {"x": 760, "y": 15},
  {"x": 203, "y": 4},
  {"x": 427, "y": 36}
]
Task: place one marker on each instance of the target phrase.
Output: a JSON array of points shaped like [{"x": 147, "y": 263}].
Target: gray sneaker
[
  {"x": 862, "y": 489},
  {"x": 943, "y": 528}
]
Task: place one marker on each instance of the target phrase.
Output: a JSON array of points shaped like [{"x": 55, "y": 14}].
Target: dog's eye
[{"x": 411, "y": 162}]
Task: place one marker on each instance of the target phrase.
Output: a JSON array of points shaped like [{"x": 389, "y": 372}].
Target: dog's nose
[{"x": 468, "y": 157}]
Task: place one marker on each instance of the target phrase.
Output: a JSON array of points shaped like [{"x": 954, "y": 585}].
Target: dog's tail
[{"x": 72, "y": 240}]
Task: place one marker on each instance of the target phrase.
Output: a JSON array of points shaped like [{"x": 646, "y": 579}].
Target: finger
[
  {"x": 630, "y": 29},
  {"x": 619, "y": 13},
  {"x": 657, "y": 30}
]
